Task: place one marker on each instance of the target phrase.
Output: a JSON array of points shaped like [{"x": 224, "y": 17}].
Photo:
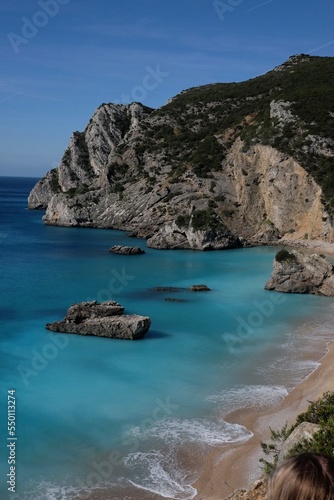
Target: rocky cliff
[
  {"x": 219, "y": 166},
  {"x": 296, "y": 272}
]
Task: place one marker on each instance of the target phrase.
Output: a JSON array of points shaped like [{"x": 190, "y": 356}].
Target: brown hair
[{"x": 308, "y": 476}]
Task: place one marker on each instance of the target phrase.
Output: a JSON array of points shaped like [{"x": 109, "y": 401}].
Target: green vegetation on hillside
[
  {"x": 83, "y": 153},
  {"x": 196, "y": 129}
]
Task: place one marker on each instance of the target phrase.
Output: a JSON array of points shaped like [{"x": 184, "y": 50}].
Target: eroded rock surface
[
  {"x": 295, "y": 272},
  {"x": 126, "y": 250},
  {"x": 102, "y": 320},
  {"x": 303, "y": 432}
]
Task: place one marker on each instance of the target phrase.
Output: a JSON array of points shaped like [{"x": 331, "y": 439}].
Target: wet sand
[{"x": 227, "y": 469}]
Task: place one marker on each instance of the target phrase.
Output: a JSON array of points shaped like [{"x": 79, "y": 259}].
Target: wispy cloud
[
  {"x": 258, "y": 6},
  {"x": 24, "y": 89},
  {"x": 321, "y": 47},
  {"x": 10, "y": 97}
]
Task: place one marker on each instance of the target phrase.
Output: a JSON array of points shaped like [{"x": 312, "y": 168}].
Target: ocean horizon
[{"x": 104, "y": 414}]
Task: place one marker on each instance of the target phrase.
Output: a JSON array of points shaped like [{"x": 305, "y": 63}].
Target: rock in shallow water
[
  {"x": 200, "y": 288},
  {"x": 125, "y": 250},
  {"x": 102, "y": 320},
  {"x": 298, "y": 273}
]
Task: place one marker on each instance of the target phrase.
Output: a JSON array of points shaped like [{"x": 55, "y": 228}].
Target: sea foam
[
  {"x": 160, "y": 473},
  {"x": 249, "y": 396},
  {"x": 198, "y": 431}
]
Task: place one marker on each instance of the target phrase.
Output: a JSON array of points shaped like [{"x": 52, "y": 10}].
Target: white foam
[
  {"x": 293, "y": 372},
  {"x": 249, "y": 396},
  {"x": 46, "y": 490},
  {"x": 203, "y": 431},
  {"x": 160, "y": 474}
]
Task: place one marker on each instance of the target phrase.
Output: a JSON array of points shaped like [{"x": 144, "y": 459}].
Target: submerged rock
[
  {"x": 171, "y": 299},
  {"x": 125, "y": 250},
  {"x": 169, "y": 289},
  {"x": 296, "y": 272},
  {"x": 200, "y": 288},
  {"x": 102, "y": 320}
]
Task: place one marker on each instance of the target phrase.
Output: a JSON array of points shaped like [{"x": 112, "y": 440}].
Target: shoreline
[{"x": 237, "y": 466}]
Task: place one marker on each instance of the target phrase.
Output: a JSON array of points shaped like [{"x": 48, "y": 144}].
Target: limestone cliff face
[
  {"x": 262, "y": 195},
  {"x": 196, "y": 173},
  {"x": 275, "y": 196},
  {"x": 86, "y": 161}
]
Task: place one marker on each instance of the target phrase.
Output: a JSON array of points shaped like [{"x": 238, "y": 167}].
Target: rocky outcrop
[
  {"x": 295, "y": 272},
  {"x": 303, "y": 432},
  {"x": 196, "y": 174},
  {"x": 102, "y": 320},
  {"x": 171, "y": 236},
  {"x": 257, "y": 491},
  {"x": 125, "y": 250}
]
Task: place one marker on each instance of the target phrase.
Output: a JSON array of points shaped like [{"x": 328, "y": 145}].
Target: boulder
[
  {"x": 304, "y": 431},
  {"x": 295, "y": 272},
  {"x": 200, "y": 288},
  {"x": 125, "y": 250},
  {"x": 102, "y": 320}
]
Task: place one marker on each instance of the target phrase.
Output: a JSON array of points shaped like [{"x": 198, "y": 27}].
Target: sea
[{"x": 135, "y": 419}]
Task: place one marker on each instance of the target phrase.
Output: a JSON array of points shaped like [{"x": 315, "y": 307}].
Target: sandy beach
[{"x": 234, "y": 467}]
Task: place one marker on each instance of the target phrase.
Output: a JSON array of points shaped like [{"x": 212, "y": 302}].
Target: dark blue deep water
[{"x": 100, "y": 413}]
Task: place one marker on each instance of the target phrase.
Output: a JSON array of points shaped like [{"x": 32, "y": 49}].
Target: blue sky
[{"x": 60, "y": 59}]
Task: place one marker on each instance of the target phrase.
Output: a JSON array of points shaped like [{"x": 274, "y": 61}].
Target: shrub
[
  {"x": 182, "y": 220},
  {"x": 201, "y": 220},
  {"x": 54, "y": 181},
  {"x": 284, "y": 256}
]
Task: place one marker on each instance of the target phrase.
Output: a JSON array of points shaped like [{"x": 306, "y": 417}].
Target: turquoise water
[{"x": 100, "y": 413}]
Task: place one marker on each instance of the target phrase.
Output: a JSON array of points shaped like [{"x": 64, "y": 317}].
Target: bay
[{"x": 96, "y": 413}]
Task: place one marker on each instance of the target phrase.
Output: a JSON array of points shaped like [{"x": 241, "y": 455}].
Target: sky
[{"x": 61, "y": 59}]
